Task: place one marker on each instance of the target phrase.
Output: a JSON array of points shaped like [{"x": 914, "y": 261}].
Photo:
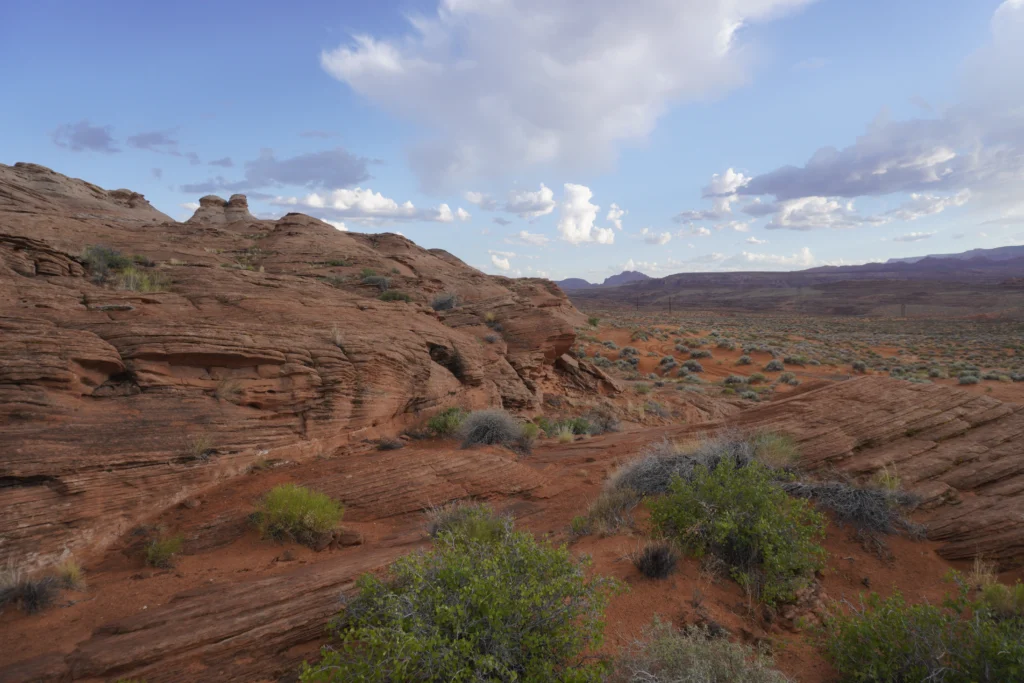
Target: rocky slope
[{"x": 265, "y": 344}]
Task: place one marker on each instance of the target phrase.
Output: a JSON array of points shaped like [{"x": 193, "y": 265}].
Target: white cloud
[
  {"x": 812, "y": 213},
  {"x": 913, "y": 237},
  {"x": 500, "y": 87},
  {"x": 531, "y": 238},
  {"x": 688, "y": 216},
  {"x": 484, "y": 201},
  {"x": 529, "y": 204},
  {"x": 367, "y": 206},
  {"x": 339, "y": 225},
  {"x": 190, "y": 206},
  {"x": 723, "y": 188},
  {"x": 615, "y": 215},
  {"x": 659, "y": 238},
  {"x": 738, "y": 226},
  {"x": 500, "y": 263},
  {"x": 754, "y": 240},
  {"x": 921, "y": 205},
  {"x": 577, "y": 215},
  {"x": 462, "y": 214},
  {"x": 506, "y": 254}
]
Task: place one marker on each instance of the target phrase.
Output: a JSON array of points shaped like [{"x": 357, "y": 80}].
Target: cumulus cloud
[
  {"x": 921, "y": 205},
  {"x": 723, "y": 188},
  {"x": 190, "y": 206},
  {"x": 615, "y": 215},
  {"x": 531, "y": 204},
  {"x": 485, "y": 202},
  {"x": 812, "y": 213},
  {"x": 736, "y": 226},
  {"x": 690, "y": 216},
  {"x": 500, "y": 88},
  {"x": 332, "y": 168},
  {"x": 84, "y": 137},
  {"x": 366, "y": 206},
  {"x": 501, "y": 263},
  {"x": 577, "y": 215},
  {"x": 531, "y": 238},
  {"x": 659, "y": 238},
  {"x": 339, "y": 225},
  {"x": 977, "y": 144},
  {"x": 754, "y": 240},
  {"x": 913, "y": 237}
]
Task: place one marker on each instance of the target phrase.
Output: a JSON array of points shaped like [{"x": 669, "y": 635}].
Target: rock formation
[{"x": 268, "y": 340}]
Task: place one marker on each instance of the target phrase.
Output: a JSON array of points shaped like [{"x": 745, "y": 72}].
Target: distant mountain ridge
[
  {"x": 624, "y": 278},
  {"x": 996, "y": 254}
]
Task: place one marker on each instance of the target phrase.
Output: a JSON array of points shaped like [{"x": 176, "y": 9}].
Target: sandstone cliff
[{"x": 264, "y": 340}]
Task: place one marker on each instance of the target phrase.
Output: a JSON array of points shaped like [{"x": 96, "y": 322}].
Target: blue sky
[{"x": 554, "y": 138}]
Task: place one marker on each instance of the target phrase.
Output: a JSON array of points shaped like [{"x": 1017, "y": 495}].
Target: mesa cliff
[{"x": 266, "y": 340}]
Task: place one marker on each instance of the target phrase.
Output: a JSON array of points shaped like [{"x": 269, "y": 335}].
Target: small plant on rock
[
  {"x": 297, "y": 513},
  {"x": 656, "y": 560},
  {"x": 447, "y": 422},
  {"x": 160, "y": 551}
]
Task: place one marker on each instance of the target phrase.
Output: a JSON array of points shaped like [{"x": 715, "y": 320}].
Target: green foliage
[
  {"x": 739, "y": 514},
  {"x": 476, "y": 522},
  {"x": 492, "y": 427},
  {"x": 467, "y": 611},
  {"x": 161, "y": 551},
  {"x": 295, "y": 512},
  {"x": 593, "y": 321},
  {"x": 379, "y": 281},
  {"x": 70, "y": 574},
  {"x": 642, "y": 389},
  {"x": 444, "y": 301},
  {"x": 447, "y": 422},
  {"x": 138, "y": 280},
  {"x": 961, "y": 640},
  {"x": 392, "y": 295},
  {"x": 367, "y": 272},
  {"x": 101, "y": 260},
  {"x": 693, "y": 655}
]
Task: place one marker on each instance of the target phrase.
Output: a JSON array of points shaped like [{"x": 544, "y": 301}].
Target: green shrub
[
  {"x": 138, "y": 280},
  {"x": 642, "y": 389},
  {"x": 477, "y": 522},
  {"x": 31, "y": 595},
  {"x": 445, "y": 301},
  {"x": 740, "y": 515},
  {"x": 859, "y": 366},
  {"x": 295, "y": 512},
  {"x": 656, "y": 560},
  {"x": 744, "y": 360},
  {"x": 392, "y": 295},
  {"x": 490, "y": 427},
  {"x": 593, "y": 321},
  {"x": 774, "y": 366},
  {"x": 379, "y": 281},
  {"x": 693, "y": 655},
  {"x": 161, "y": 551},
  {"x": 447, "y": 422},
  {"x": 70, "y": 574},
  {"x": 467, "y": 611},
  {"x": 889, "y": 640},
  {"x": 101, "y": 260}
]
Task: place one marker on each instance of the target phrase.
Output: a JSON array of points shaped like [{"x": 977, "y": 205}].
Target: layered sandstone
[{"x": 115, "y": 404}]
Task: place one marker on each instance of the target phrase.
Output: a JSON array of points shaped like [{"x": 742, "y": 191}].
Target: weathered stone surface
[
  {"x": 962, "y": 453},
  {"x": 267, "y": 344}
]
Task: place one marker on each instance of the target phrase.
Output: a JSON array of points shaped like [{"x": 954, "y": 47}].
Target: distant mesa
[
  {"x": 215, "y": 211},
  {"x": 997, "y": 254},
  {"x": 623, "y": 278}
]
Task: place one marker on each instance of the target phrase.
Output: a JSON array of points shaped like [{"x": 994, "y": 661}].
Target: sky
[{"x": 545, "y": 138}]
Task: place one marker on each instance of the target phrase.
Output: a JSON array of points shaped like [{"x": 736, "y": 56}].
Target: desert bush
[
  {"x": 642, "y": 389},
  {"x": 563, "y": 434},
  {"x": 593, "y": 321},
  {"x": 102, "y": 260},
  {"x": 31, "y": 595},
  {"x": 600, "y": 421},
  {"x": 651, "y": 473},
  {"x": 868, "y": 509},
  {"x": 656, "y": 560},
  {"x": 161, "y": 550},
  {"x": 610, "y": 511},
  {"x": 692, "y": 655},
  {"x": 744, "y": 360},
  {"x": 750, "y": 395},
  {"x": 447, "y": 422},
  {"x": 775, "y": 365},
  {"x": 968, "y": 379},
  {"x": 70, "y": 574},
  {"x": 734, "y": 380},
  {"x": 445, "y": 301},
  {"x": 759, "y": 377},
  {"x": 889, "y": 640},
  {"x": 137, "y": 280},
  {"x": 295, "y": 512},
  {"x": 516, "y": 610},
  {"x": 859, "y": 366},
  {"x": 379, "y": 281},
  {"x": 389, "y": 443},
  {"x": 392, "y": 295},
  {"x": 490, "y": 427},
  {"x": 741, "y": 516},
  {"x": 693, "y": 366},
  {"x": 367, "y": 272},
  {"x": 700, "y": 354},
  {"x": 493, "y": 339},
  {"x": 474, "y": 521}
]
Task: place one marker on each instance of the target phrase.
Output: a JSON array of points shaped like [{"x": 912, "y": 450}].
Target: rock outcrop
[{"x": 268, "y": 340}]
